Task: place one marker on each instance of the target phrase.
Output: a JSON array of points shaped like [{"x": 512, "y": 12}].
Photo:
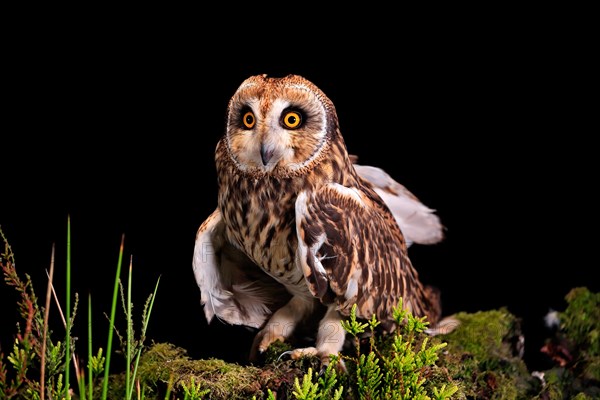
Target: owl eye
[
  {"x": 292, "y": 119},
  {"x": 248, "y": 120}
]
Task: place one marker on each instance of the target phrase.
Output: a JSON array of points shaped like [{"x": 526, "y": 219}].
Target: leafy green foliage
[
  {"x": 444, "y": 392},
  {"x": 368, "y": 376},
  {"x": 400, "y": 372},
  {"x": 323, "y": 389},
  {"x": 352, "y": 325},
  {"x": 270, "y": 395},
  {"x": 193, "y": 390}
]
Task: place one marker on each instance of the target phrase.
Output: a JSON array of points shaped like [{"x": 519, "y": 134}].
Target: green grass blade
[
  {"x": 112, "y": 321},
  {"x": 68, "y": 311},
  {"x": 128, "y": 383},
  {"x": 144, "y": 327},
  {"x": 90, "y": 382}
]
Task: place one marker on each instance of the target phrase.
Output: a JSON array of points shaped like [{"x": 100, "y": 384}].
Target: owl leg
[
  {"x": 282, "y": 323},
  {"x": 330, "y": 338}
]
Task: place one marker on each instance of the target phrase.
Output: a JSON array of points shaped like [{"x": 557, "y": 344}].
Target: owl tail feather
[{"x": 417, "y": 222}]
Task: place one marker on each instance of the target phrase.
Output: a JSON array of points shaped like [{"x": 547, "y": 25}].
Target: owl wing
[
  {"x": 351, "y": 250},
  {"x": 418, "y": 222},
  {"x": 231, "y": 286}
]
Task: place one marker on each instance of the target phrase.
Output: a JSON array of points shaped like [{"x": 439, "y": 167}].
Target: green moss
[
  {"x": 165, "y": 367},
  {"x": 164, "y": 364},
  {"x": 483, "y": 354},
  {"x": 488, "y": 337},
  {"x": 276, "y": 350}
]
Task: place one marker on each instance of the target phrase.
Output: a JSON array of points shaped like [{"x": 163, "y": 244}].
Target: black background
[{"x": 487, "y": 125}]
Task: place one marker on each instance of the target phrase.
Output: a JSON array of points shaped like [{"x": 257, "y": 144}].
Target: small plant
[
  {"x": 398, "y": 372},
  {"x": 39, "y": 367},
  {"x": 270, "y": 395},
  {"x": 29, "y": 346},
  {"x": 323, "y": 389},
  {"x": 401, "y": 371},
  {"x": 131, "y": 347},
  {"x": 193, "y": 390}
]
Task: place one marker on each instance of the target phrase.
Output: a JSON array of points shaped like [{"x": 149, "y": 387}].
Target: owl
[{"x": 301, "y": 231}]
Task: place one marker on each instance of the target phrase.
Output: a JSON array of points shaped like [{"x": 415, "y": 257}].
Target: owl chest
[{"x": 260, "y": 221}]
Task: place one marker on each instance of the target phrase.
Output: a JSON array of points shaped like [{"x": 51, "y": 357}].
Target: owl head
[{"x": 279, "y": 125}]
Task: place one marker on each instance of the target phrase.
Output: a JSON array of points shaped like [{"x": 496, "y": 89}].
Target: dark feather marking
[
  {"x": 334, "y": 235},
  {"x": 270, "y": 235},
  {"x": 244, "y": 204},
  {"x": 312, "y": 232},
  {"x": 264, "y": 221}
]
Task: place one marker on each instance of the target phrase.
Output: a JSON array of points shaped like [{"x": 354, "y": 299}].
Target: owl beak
[{"x": 266, "y": 153}]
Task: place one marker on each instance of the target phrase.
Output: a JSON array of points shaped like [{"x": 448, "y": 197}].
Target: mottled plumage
[{"x": 300, "y": 229}]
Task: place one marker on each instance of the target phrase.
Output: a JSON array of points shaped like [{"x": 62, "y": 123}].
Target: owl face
[{"x": 278, "y": 124}]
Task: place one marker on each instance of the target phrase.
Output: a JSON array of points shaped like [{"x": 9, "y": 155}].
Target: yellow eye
[
  {"x": 249, "y": 120},
  {"x": 292, "y": 119}
]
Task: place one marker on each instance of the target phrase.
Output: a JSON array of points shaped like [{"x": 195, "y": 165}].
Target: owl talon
[
  {"x": 296, "y": 354},
  {"x": 305, "y": 352},
  {"x": 267, "y": 341},
  {"x": 322, "y": 371}
]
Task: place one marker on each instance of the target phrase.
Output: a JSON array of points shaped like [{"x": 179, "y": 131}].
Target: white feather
[
  {"x": 212, "y": 294},
  {"x": 303, "y": 251},
  {"x": 417, "y": 222},
  {"x": 218, "y": 266}
]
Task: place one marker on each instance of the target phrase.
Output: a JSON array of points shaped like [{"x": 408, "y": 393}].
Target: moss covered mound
[{"x": 483, "y": 356}]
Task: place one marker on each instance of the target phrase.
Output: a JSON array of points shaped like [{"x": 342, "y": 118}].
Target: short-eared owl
[{"x": 300, "y": 229}]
